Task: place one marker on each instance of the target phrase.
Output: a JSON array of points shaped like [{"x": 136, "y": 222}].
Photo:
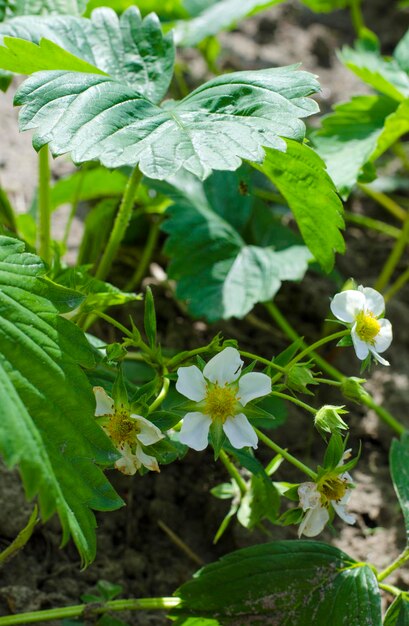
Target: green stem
[
  {"x": 294, "y": 400},
  {"x": 21, "y": 539},
  {"x": 113, "y": 322},
  {"x": 254, "y": 357},
  {"x": 327, "y": 381},
  {"x": 141, "y": 604},
  {"x": 120, "y": 225},
  {"x": 401, "y": 560},
  {"x": 286, "y": 455},
  {"x": 395, "y": 591},
  {"x": 74, "y": 206},
  {"x": 147, "y": 254},
  {"x": 161, "y": 396},
  {"x": 394, "y": 257},
  {"x": 292, "y": 334},
  {"x": 369, "y": 222},
  {"x": 309, "y": 350},
  {"x": 384, "y": 415},
  {"x": 233, "y": 471},
  {"x": 356, "y": 15},
  {"x": 387, "y": 203},
  {"x": 44, "y": 206},
  {"x": 397, "y": 285}
]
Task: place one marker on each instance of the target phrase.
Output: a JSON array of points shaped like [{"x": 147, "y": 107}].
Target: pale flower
[
  {"x": 128, "y": 432},
  {"x": 221, "y": 394},
  {"x": 362, "y": 308},
  {"x": 316, "y": 499}
]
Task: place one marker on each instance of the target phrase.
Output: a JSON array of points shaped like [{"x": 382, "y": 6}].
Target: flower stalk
[
  {"x": 286, "y": 455},
  {"x": 44, "y": 206}
]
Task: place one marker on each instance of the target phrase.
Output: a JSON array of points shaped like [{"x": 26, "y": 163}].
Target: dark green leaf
[
  {"x": 7, "y": 217},
  {"x": 282, "y": 583},
  {"x": 48, "y": 426},
  {"x": 150, "y": 318},
  {"x": 300, "y": 176},
  {"x": 398, "y": 612},
  {"x": 399, "y": 464}
]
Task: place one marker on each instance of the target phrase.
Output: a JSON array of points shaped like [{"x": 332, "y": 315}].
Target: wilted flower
[
  {"x": 362, "y": 308},
  {"x": 128, "y": 432},
  {"x": 220, "y": 394},
  {"x": 317, "y": 498}
]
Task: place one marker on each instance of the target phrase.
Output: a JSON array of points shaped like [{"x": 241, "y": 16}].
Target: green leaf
[
  {"x": 227, "y": 119},
  {"x": 282, "y": 583},
  {"x": 7, "y": 217},
  {"x": 261, "y": 501},
  {"x": 349, "y": 137},
  {"x": 382, "y": 73},
  {"x": 49, "y": 7},
  {"x": 396, "y": 125},
  {"x": 401, "y": 53},
  {"x": 399, "y": 464},
  {"x": 398, "y": 612},
  {"x": 131, "y": 51},
  {"x": 86, "y": 185},
  {"x": 98, "y": 225},
  {"x": 221, "y": 15},
  {"x": 325, "y": 6},
  {"x": 225, "y": 277},
  {"x": 48, "y": 426},
  {"x": 149, "y": 318},
  {"x": 299, "y": 174}
]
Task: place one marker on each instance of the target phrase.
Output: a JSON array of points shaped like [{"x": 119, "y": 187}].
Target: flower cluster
[{"x": 220, "y": 394}]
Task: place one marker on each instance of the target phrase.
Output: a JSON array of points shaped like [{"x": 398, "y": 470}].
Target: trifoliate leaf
[
  {"x": 48, "y": 426},
  {"x": 282, "y": 583},
  {"x": 349, "y": 137},
  {"x": 383, "y": 73},
  {"x": 300, "y": 176},
  {"x": 130, "y": 50},
  {"x": 227, "y": 119},
  {"x": 219, "y": 16},
  {"x": 218, "y": 273}
]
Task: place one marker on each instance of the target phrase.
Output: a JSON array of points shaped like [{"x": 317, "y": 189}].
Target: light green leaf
[
  {"x": 396, "y": 125},
  {"x": 282, "y": 583},
  {"x": 48, "y": 426},
  {"x": 300, "y": 176},
  {"x": 130, "y": 50},
  {"x": 227, "y": 119},
  {"x": 398, "y": 612},
  {"x": 88, "y": 184},
  {"x": 221, "y": 15},
  {"x": 401, "y": 52},
  {"x": 261, "y": 501},
  {"x": 399, "y": 465},
  {"x": 349, "y": 137},
  {"x": 383, "y": 73},
  {"x": 225, "y": 277},
  {"x": 49, "y": 7},
  {"x": 165, "y": 9},
  {"x": 325, "y": 6}
]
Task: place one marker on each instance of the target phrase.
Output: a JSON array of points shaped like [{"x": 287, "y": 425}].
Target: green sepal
[
  {"x": 217, "y": 437},
  {"x": 345, "y": 342},
  {"x": 149, "y": 318},
  {"x": 224, "y": 491},
  {"x": 334, "y": 452},
  {"x": 289, "y": 353},
  {"x": 115, "y": 352},
  {"x": 299, "y": 376},
  {"x": 291, "y": 517},
  {"x": 119, "y": 392},
  {"x": 292, "y": 493}
]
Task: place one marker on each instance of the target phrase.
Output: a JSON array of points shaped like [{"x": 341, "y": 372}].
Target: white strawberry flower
[
  {"x": 221, "y": 394},
  {"x": 362, "y": 308},
  {"x": 128, "y": 432},
  {"x": 316, "y": 499}
]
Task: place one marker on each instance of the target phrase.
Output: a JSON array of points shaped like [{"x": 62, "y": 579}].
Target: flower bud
[
  {"x": 352, "y": 389},
  {"x": 328, "y": 419}
]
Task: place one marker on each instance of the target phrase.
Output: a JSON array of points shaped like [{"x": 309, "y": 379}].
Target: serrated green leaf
[
  {"x": 219, "y": 16},
  {"x": 131, "y": 51},
  {"x": 48, "y": 426},
  {"x": 48, "y": 7},
  {"x": 382, "y": 73},
  {"x": 349, "y": 137},
  {"x": 300, "y": 176},
  {"x": 398, "y": 612},
  {"x": 225, "y": 277},
  {"x": 282, "y": 583},
  {"x": 399, "y": 467},
  {"x": 225, "y": 120}
]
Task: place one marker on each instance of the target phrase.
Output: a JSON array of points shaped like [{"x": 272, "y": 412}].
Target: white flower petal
[
  {"x": 150, "y": 462},
  {"x": 384, "y": 338},
  {"x": 105, "y": 404},
  {"x": 195, "y": 430},
  {"x": 378, "y": 357},
  {"x": 148, "y": 432},
  {"x": 224, "y": 368},
  {"x": 253, "y": 385},
  {"x": 374, "y": 301},
  {"x": 309, "y": 496},
  {"x": 339, "y": 508},
  {"x": 347, "y": 304},
  {"x": 240, "y": 432},
  {"x": 128, "y": 463},
  {"x": 190, "y": 383},
  {"x": 361, "y": 347},
  {"x": 313, "y": 522}
]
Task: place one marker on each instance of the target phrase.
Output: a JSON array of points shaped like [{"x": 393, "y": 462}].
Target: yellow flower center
[
  {"x": 220, "y": 403},
  {"x": 367, "y": 326},
  {"x": 122, "y": 428},
  {"x": 332, "y": 489}
]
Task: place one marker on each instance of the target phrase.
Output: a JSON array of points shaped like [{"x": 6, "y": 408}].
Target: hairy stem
[
  {"x": 294, "y": 400},
  {"x": 120, "y": 225},
  {"x": 286, "y": 455},
  {"x": 44, "y": 206},
  {"x": 147, "y": 254},
  {"x": 401, "y": 560},
  {"x": 233, "y": 471},
  {"x": 161, "y": 396}
]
